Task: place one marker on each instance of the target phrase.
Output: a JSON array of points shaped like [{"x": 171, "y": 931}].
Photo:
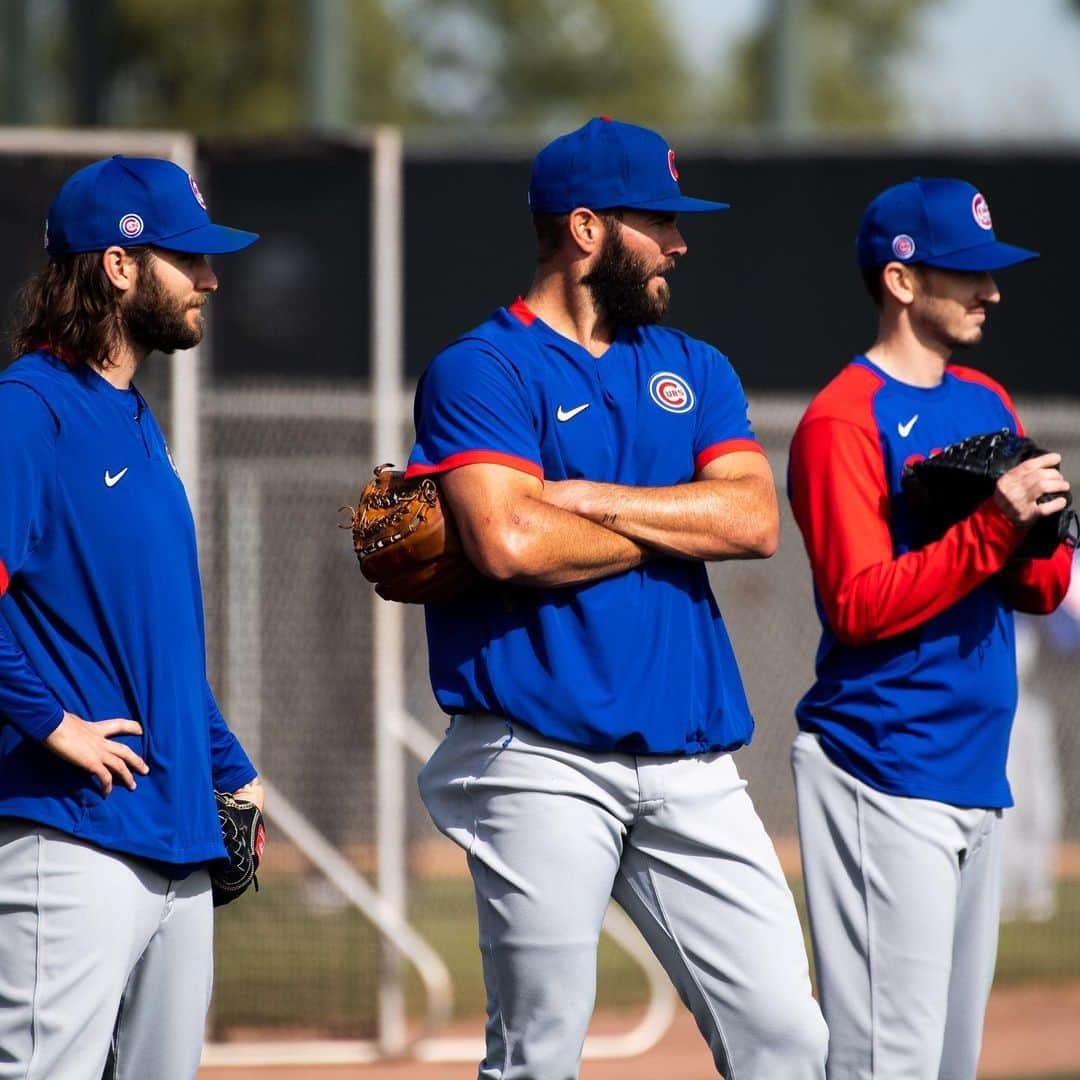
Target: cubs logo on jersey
[{"x": 671, "y": 392}]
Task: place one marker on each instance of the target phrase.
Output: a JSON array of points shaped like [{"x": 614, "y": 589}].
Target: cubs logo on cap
[
  {"x": 608, "y": 164},
  {"x": 903, "y": 246},
  {"x": 123, "y": 201},
  {"x": 671, "y": 392},
  {"x": 131, "y": 225},
  {"x": 943, "y": 223}
]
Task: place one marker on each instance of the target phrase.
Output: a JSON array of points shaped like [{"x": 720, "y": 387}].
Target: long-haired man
[{"x": 111, "y": 743}]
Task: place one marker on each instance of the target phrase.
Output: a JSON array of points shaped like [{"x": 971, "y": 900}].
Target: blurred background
[{"x": 382, "y": 149}]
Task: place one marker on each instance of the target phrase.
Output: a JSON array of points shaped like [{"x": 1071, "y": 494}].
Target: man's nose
[{"x": 988, "y": 290}]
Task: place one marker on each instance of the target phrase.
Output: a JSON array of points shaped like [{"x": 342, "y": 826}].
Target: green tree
[
  {"x": 240, "y": 66},
  {"x": 547, "y": 63},
  {"x": 235, "y": 66},
  {"x": 850, "y": 46}
]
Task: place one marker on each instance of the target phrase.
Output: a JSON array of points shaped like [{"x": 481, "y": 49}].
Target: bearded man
[
  {"x": 594, "y": 462},
  {"x": 111, "y": 743}
]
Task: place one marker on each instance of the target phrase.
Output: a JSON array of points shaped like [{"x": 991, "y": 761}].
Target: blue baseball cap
[
  {"x": 608, "y": 164},
  {"x": 942, "y": 223},
  {"x": 126, "y": 201}
]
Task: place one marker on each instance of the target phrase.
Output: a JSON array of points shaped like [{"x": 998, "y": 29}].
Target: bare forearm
[
  {"x": 511, "y": 533},
  {"x": 550, "y": 547},
  {"x": 703, "y": 519}
]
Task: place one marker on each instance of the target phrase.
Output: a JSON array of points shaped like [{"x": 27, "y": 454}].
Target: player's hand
[
  {"x": 89, "y": 746},
  {"x": 1018, "y": 491},
  {"x": 252, "y": 792}
]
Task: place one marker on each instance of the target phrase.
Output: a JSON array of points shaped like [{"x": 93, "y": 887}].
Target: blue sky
[{"x": 980, "y": 68}]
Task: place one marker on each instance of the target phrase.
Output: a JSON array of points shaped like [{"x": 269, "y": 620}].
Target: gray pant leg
[
  {"x": 974, "y": 951},
  {"x": 543, "y": 851},
  {"x": 163, "y": 1017},
  {"x": 701, "y": 880},
  {"x": 18, "y": 949},
  {"x": 886, "y": 898},
  {"x": 73, "y": 920}
]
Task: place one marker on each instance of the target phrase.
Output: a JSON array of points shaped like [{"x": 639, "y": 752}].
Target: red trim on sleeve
[
  {"x": 840, "y": 498},
  {"x": 5, "y": 578},
  {"x": 522, "y": 312},
  {"x": 477, "y": 457},
  {"x": 973, "y": 375},
  {"x": 728, "y": 446}
]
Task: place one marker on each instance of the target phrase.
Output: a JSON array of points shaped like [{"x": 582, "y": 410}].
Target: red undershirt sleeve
[
  {"x": 840, "y": 499},
  {"x": 1037, "y": 586}
]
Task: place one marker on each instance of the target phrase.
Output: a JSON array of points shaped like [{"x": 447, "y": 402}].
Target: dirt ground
[{"x": 1030, "y": 1031}]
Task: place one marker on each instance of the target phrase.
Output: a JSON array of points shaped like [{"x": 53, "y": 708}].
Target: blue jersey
[
  {"x": 916, "y": 670},
  {"x": 102, "y": 616},
  {"x": 638, "y": 662}
]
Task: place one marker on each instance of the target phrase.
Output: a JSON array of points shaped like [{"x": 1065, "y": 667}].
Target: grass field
[{"x": 288, "y": 959}]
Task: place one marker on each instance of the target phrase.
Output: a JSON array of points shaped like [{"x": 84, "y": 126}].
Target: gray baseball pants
[
  {"x": 82, "y": 928},
  {"x": 903, "y": 896},
  {"x": 552, "y": 832}
]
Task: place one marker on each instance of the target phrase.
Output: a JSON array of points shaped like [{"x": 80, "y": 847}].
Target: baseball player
[
  {"x": 900, "y": 759},
  {"x": 594, "y": 462},
  {"x": 111, "y": 743}
]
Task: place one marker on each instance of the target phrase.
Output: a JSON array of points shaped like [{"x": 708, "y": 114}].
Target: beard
[
  {"x": 155, "y": 321},
  {"x": 619, "y": 286}
]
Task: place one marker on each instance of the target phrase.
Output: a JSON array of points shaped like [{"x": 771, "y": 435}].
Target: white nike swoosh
[
  {"x": 112, "y": 481},
  {"x": 905, "y": 429},
  {"x": 569, "y": 414}
]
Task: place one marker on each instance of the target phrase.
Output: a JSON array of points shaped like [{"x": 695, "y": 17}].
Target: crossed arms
[{"x": 517, "y": 528}]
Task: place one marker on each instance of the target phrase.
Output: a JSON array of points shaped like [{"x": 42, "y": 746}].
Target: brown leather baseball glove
[{"x": 407, "y": 542}]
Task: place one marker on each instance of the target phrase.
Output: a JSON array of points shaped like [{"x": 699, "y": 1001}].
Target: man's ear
[
  {"x": 898, "y": 280},
  {"x": 587, "y": 230},
  {"x": 120, "y": 267}
]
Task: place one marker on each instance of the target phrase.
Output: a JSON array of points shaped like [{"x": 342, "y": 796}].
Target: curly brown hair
[{"x": 71, "y": 307}]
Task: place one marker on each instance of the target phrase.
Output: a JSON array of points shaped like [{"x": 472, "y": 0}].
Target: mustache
[{"x": 662, "y": 270}]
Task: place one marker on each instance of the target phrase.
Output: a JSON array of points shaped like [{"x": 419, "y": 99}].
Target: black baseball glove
[
  {"x": 948, "y": 486},
  {"x": 244, "y": 834}
]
